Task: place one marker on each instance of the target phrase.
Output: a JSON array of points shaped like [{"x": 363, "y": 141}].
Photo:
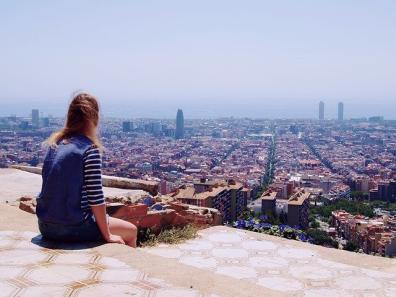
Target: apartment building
[
  {"x": 296, "y": 207},
  {"x": 229, "y": 197},
  {"x": 377, "y": 235}
]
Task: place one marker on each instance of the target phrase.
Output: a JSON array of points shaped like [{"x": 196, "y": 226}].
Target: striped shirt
[{"x": 92, "y": 190}]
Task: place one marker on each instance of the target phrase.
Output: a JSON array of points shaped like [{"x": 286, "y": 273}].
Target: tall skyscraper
[
  {"x": 321, "y": 110},
  {"x": 340, "y": 111},
  {"x": 35, "y": 118},
  {"x": 179, "y": 134}
]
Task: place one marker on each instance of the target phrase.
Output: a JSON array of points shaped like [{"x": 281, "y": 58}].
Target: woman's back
[{"x": 63, "y": 177}]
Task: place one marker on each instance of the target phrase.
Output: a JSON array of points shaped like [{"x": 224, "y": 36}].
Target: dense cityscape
[{"x": 327, "y": 181}]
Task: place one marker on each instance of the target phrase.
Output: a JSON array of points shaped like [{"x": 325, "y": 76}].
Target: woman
[{"x": 71, "y": 205}]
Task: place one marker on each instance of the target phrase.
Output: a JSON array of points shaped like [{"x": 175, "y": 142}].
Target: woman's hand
[
  {"x": 99, "y": 212},
  {"x": 115, "y": 239}
]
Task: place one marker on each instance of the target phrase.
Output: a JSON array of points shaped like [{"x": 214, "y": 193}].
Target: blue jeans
[{"x": 87, "y": 231}]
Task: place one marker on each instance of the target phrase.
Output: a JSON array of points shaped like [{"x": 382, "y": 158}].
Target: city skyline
[
  {"x": 265, "y": 59},
  {"x": 321, "y": 110},
  {"x": 210, "y": 110}
]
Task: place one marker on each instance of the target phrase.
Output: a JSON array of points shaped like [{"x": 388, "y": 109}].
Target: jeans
[{"x": 87, "y": 231}]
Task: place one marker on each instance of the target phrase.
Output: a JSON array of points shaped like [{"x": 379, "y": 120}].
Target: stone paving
[
  {"x": 31, "y": 267},
  {"x": 277, "y": 265}
]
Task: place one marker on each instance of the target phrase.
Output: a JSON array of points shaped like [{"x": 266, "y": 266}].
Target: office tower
[
  {"x": 383, "y": 189},
  {"x": 156, "y": 128},
  {"x": 340, "y": 111},
  {"x": 45, "y": 122},
  {"x": 362, "y": 184},
  {"x": 35, "y": 118},
  {"x": 24, "y": 125},
  {"x": 321, "y": 110},
  {"x": 127, "y": 126},
  {"x": 169, "y": 132},
  {"x": 392, "y": 191},
  {"x": 179, "y": 125},
  {"x": 376, "y": 119}
]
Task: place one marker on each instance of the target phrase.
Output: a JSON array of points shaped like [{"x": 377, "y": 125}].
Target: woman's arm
[
  {"x": 94, "y": 190},
  {"x": 99, "y": 212}
]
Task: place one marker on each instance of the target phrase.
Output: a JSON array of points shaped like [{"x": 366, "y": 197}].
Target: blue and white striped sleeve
[{"x": 93, "y": 177}]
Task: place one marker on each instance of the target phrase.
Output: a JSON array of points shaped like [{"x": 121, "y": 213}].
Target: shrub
[
  {"x": 350, "y": 246},
  {"x": 169, "y": 236},
  {"x": 314, "y": 224}
]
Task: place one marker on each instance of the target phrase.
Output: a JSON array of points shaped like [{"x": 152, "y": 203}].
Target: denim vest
[{"x": 63, "y": 177}]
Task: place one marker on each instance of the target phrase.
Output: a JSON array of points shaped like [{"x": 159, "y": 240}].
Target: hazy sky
[{"x": 273, "y": 59}]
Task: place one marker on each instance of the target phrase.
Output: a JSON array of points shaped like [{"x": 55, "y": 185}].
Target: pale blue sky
[{"x": 146, "y": 58}]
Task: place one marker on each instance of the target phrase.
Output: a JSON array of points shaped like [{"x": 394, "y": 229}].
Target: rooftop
[
  {"x": 298, "y": 198},
  {"x": 222, "y": 262},
  {"x": 269, "y": 195},
  {"x": 216, "y": 188}
]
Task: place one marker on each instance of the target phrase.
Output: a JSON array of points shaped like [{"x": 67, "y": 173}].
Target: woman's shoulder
[
  {"x": 93, "y": 148},
  {"x": 92, "y": 151}
]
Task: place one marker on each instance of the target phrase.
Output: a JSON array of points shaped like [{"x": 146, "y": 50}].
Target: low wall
[
  {"x": 110, "y": 181},
  {"x": 31, "y": 169},
  {"x": 171, "y": 214}
]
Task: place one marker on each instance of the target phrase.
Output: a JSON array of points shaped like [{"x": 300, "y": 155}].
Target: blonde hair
[{"x": 83, "y": 109}]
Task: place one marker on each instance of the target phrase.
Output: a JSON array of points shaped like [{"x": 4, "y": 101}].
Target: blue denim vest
[{"x": 63, "y": 177}]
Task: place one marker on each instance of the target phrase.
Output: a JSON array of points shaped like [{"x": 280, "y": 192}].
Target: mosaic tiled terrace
[{"x": 221, "y": 262}]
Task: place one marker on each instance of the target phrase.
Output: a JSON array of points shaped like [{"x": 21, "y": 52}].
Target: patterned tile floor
[
  {"x": 37, "y": 269},
  {"x": 277, "y": 266}
]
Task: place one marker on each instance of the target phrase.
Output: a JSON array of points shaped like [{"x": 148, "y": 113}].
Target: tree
[
  {"x": 320, "y": 237},
  {"x": 353, "y": 207},
  {"x": 358, "y": 195}
]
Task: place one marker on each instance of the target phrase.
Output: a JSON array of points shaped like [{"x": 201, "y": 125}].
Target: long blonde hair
[{"x": 83, "y": 109}]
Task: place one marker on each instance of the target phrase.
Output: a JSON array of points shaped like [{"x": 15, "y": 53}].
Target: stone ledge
[{"x": 110, "y": 181}]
